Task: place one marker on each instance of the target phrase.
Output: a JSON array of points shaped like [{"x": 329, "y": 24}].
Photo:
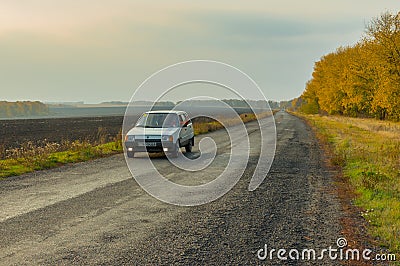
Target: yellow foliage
[{"x": 362, "y": 80}]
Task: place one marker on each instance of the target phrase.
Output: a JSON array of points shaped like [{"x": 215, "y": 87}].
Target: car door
[
  {"x": 190, "y": 130},
  {"x": 184, "y": 128}
]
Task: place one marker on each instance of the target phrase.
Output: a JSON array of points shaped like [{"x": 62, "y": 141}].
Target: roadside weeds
[{"x": 364, "y": 158}]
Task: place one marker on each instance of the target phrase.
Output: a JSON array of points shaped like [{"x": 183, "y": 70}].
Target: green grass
[{"x": 369, "y": 153}]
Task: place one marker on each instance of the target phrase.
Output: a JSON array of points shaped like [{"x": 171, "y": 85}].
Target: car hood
[{"x": 141, "y": 131}]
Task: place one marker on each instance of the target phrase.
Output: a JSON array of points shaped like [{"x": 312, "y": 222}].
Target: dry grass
[
  {"x": 384, "y": 128},
  {"x": 30, "y": 157},
  {"x": 209, "y": 126}
]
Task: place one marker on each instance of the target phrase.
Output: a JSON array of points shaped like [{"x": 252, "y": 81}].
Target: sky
[{"x": 98, "y": 50}]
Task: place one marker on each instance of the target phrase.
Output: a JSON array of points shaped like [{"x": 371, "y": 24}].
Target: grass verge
[
  {"x": 79, "y": 152},
  {"x": 369, "y": 153},
  {"x": 29, "y": 158}
]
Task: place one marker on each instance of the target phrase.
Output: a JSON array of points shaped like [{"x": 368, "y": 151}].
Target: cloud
[
  {"x": 100, "y": 50},
  {"x": 256, "y": 28}
]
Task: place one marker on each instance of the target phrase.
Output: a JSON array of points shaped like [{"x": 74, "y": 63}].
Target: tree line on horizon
[
  {"x": 22, "y": 108},
  {"x": 37, "y": 108},
  {"x": 362, "y": 80}
]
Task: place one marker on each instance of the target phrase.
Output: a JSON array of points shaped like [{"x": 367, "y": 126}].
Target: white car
[{"x": 160, "y": 131}]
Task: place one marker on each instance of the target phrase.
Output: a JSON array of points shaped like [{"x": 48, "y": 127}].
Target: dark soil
[{"x": 15, "y": 132}]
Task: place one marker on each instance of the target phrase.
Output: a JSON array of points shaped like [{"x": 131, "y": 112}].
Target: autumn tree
[
  {"x": 360, "y": 80},
  {"x": 22, "y": 108}
]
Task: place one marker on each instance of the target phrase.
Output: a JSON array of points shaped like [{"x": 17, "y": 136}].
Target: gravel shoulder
[{"x": 99, "y": 215}]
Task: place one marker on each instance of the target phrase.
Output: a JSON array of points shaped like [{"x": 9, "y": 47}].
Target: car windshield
[{"x": 158, "y": 120}]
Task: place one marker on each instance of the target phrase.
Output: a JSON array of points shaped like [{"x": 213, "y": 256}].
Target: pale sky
[{"x": 94, "y": 51}]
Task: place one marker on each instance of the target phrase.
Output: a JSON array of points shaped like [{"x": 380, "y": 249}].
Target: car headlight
[
  {"x": 168, "y": 138},
  {"x": 129, "y": 138}
]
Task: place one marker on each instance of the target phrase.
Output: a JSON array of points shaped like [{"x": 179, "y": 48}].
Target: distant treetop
[{"x": 22, "y": 108}]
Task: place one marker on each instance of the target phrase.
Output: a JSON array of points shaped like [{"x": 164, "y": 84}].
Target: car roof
[{"x": 165, "y": 112}]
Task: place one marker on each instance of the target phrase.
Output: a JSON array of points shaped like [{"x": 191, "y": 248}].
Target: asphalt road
[{"x": 95, "y": 212}]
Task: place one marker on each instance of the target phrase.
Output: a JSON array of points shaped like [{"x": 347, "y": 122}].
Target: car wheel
[
  {"x": 174, "y": 153},
  {"x": 130, "y": 154},
  {"x": 189, "y": 146}
]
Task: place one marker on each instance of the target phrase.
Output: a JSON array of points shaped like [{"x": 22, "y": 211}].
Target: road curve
[{"x": 95, "y": 213}]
